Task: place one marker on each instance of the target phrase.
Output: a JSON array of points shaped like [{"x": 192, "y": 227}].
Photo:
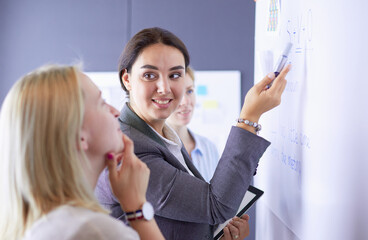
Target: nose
[
  {"x": 114, "y": 111},
  {"x": 185, "y": 100},
  {"x": 163, "y": 86}
]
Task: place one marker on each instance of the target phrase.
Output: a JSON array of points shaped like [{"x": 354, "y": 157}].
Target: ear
[
  {"x": 83, "y": 141},
  {"x": 126, "y": 80}
]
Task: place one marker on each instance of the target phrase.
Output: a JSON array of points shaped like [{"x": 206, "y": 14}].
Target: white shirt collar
[{"x": 172, "y": 137}]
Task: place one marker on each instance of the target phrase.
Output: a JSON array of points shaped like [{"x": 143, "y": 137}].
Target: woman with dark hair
[{"x": 152, "y": 69}]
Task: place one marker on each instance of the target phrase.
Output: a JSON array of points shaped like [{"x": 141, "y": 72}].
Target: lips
[
  {"x": 184, "y": 113},
  {"x": 162, "y": 103}
]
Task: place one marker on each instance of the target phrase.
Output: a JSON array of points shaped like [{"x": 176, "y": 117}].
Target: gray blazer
[{"x": 188, "y": 207}]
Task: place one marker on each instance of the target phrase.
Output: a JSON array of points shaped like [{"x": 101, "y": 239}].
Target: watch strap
[
  {"x": 137, "y": 215},
  {"x": 146, "y": 213}
]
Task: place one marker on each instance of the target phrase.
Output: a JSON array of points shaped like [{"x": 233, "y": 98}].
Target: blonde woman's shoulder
[{"x": 72, "y": 223}]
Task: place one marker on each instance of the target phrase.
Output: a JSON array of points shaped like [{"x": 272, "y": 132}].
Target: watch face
[{"x": 147, "y": 211}]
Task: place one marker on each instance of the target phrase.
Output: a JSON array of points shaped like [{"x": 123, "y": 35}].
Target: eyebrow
[{"x": 156, "y": 68}]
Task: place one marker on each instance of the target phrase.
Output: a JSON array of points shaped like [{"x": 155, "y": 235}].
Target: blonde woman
[
  {"x": 201, "y": 150},
  {"x": 57, "y": 135}
]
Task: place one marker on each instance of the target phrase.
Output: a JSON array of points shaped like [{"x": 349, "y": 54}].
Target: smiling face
[
  {"x": 183, "y": 114},
  {"x": 156, "y": 83},
  {"x": 100, "y": 129}
]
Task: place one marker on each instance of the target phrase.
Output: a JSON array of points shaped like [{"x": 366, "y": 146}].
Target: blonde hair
[
  {"x": 190, "y": 72},
  {"x": 41, "y": 165}
]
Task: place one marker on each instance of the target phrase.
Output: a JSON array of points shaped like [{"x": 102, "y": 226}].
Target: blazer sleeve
[{"x": 177, "y": 195}]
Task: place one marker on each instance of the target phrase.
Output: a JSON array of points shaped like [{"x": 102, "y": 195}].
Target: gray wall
[
  {"x": 42, "y": 31},
  {"x": 219, "y": 34}
]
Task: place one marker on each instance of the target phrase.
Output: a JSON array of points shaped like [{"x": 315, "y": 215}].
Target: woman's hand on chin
[{"x": 128, "y": 180}]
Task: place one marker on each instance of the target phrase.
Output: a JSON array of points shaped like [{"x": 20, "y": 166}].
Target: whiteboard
[
  {"x": 314, "y": 174},
  {"x": 217, "y": 107},
  {"x": 111, "y": 90}
]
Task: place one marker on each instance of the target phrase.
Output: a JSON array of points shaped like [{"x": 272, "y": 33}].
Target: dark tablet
[{"x": 250, "y": 197}]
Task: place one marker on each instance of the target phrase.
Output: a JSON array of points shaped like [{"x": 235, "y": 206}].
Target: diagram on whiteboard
[
  {"x": 282, "y": 164},
  {"x": 274, "y": 14}
]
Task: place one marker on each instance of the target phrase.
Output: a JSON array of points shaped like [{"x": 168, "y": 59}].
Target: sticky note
[
  {"x": 202, "y": 90},
  {"x": 210, "y": 104}
]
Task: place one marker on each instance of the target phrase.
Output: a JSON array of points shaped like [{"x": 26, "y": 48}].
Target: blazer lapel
[{"x": 128, "y": 116}]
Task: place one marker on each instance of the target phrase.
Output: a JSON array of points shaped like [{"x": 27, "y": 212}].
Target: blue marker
[{"x": 281, "y": 62}]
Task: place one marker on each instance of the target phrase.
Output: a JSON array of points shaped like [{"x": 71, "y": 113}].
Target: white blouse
[{"x": 76, "y": 223}]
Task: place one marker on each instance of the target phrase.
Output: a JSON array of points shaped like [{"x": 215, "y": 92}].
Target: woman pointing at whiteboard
[{"x": 152, "y": 69}]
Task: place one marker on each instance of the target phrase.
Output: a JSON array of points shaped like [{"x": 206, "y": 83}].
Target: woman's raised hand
[{"x": 261, "y": 99}]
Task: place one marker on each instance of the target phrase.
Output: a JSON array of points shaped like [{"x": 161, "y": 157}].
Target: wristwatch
[{"x": 146, "y": 213}]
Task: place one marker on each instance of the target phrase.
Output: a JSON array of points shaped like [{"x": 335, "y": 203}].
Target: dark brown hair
[{"x": 143, "y": 39}]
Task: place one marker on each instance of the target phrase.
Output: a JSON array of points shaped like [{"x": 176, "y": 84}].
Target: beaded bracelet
[{"x": 256, "y": 126}]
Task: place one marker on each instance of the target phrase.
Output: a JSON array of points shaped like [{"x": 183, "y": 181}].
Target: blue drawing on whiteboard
[{"x": 299, "y": 31}]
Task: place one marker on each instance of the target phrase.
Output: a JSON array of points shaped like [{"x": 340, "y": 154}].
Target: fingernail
[
  {"x": 271, "y": 75},
  {"x": 110, "y": 156}
]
